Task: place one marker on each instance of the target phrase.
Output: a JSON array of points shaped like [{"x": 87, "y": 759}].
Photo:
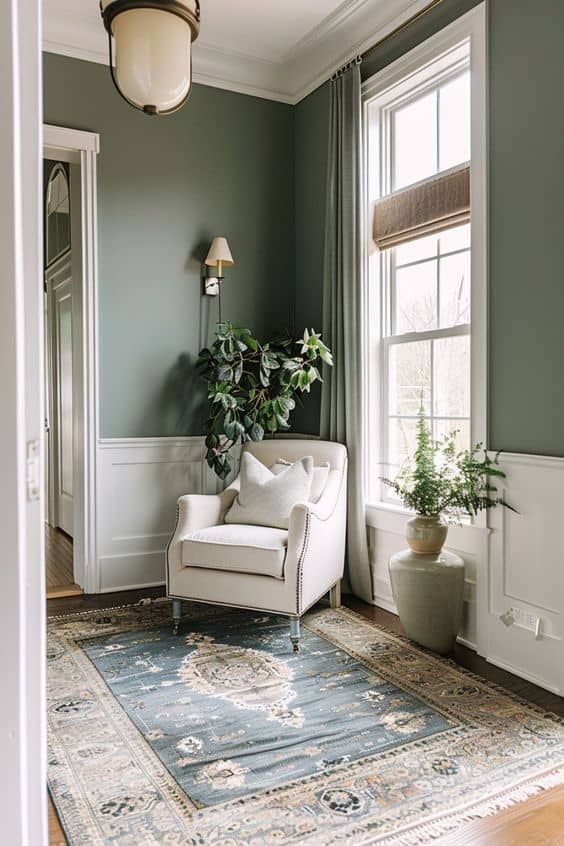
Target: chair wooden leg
[
  {"x": 295, "y": 633},
  {"x": 176, "y": 615},
  {"x": 335, "y": 595}
]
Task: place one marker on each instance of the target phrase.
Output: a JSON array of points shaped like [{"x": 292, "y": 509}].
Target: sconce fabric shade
[
  {"x": 428, "y": 207},
  {"x": 152, "y": 43},
  {"x": 219, "y": 253}
]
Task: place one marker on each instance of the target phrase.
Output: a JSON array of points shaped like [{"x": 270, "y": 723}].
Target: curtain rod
[{"x": 405, "y": 25}]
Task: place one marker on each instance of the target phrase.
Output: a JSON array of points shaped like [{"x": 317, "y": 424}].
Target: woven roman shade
[{"x": 431, "y": 206}]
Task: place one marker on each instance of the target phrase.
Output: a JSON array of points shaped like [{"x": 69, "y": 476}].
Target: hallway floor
[{"x": 59, "y": 564}]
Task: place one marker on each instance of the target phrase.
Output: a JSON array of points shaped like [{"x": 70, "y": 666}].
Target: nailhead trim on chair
[{"x": 301, "y": 560}]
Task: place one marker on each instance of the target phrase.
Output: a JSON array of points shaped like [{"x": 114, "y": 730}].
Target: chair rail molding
[{"x": 139, "y": 481}]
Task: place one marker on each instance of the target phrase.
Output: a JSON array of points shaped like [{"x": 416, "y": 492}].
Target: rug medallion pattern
[{"x": 223, "y": 736}]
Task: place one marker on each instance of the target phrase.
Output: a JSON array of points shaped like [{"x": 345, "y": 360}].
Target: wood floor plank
[
  {"x": 58, "y": 558},
  {"x": 56, "y": 833}
]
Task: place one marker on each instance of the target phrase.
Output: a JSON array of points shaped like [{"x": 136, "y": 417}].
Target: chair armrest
[
  {"x": 197, "y": 511},
  {"x": 316, "y": 540}
]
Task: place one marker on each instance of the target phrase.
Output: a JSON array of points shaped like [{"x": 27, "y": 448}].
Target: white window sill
[{"x": 390, "y": 517}]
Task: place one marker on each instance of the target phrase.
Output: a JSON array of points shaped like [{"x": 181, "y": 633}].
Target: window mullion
[
  {"x": 434, "y": 257},
  {"x": 430, "y": 334},
  {"x": 432, "y": 380},
  {"x": 438, "y": 129}
]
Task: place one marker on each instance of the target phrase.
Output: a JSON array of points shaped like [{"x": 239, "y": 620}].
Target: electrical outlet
[{"x": 530, "y": 620}]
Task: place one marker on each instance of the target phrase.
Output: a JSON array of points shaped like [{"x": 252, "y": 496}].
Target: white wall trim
[
  {"x": 64, "y": 138},
  {"x": 151, "y": 443},
  {"x": 353, "y": 27},
  {"x": 526, "y": 576},
  {"x": 139, "y": 481},
  {"x": 82, "y": 148}
]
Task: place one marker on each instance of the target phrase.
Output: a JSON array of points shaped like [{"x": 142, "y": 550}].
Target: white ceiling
[{"x": 279, "y": 49}]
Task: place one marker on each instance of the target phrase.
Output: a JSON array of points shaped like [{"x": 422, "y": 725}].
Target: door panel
[
  {"x": 60, "y": 321},
  {"x": 64, "y": 351}
]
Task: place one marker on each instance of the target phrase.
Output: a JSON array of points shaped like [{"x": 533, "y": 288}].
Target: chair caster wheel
[
  {"x": 176, "y": 628},
  {"x": 296, "y": 647}
]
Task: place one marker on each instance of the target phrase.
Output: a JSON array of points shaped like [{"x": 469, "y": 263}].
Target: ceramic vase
[
  {"x": 426, "y": 535},
  {"x": 428, "y": 586}
]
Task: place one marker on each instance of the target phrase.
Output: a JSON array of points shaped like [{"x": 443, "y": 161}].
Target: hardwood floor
[
  {"x": 56, "y": 833},
  {"x": 59, "y": 564},
  {"x": 537, "y": 822}
]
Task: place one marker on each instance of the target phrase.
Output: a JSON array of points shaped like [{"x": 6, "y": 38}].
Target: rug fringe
[{"x": 432, "y": 830}]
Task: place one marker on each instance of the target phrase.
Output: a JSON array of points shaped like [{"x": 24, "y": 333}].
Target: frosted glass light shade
[
  {"x": 152, "y": 51},
  {"x": 219, "y": 253}
]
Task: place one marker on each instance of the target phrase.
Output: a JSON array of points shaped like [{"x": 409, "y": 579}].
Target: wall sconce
[{"x": 219, "y": 256}]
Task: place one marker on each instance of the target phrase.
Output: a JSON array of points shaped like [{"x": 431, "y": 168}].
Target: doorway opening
[
  {"x": 70, "y": 371},
  {"x": 62, "y": 284}
]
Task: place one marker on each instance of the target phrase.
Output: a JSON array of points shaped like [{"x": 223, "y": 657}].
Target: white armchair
[{"x": 256, "y": 567}]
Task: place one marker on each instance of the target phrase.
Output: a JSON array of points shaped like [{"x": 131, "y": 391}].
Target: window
[
  {"x": 57, "y": 214},
  {"x": 426, "y": 341},
  {"x": 421, "y": 332}
]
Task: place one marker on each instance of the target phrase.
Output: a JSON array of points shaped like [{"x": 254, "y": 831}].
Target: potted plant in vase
[{"x": 442, "y": 485}]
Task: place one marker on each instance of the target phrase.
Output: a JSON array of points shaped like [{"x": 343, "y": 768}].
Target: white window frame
[{"x": 467, "y": 34}]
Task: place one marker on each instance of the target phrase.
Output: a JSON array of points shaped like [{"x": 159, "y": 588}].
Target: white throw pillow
[
  {"x": 266, "y": 499},
  {"x": 320, "y": 476}
]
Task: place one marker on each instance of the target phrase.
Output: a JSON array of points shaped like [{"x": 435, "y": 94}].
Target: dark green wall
[
  {"x": 223, "y": 165},
  {"x": 311, "y": 148},
  {"x": 526, "y": 226},
  {"x": 526, "y": 214}
]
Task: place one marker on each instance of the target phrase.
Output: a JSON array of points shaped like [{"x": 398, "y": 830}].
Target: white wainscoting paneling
[
  {"x": 526, "y": 579},
  {"x": 139, "y": 481},
  {"x": 386, "y": 528}
]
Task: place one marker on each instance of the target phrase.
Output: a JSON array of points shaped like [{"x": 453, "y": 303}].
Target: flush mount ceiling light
[{"x": 151, "y": 44}]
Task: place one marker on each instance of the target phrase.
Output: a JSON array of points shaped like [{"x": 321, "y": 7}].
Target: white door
[{"x": 60, "y": 323}]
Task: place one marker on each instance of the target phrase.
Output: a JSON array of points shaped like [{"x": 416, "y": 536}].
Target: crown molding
[{"x": 348, "y": 30}]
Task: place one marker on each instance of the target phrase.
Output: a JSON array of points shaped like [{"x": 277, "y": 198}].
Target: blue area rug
[
  {"x": 224, "y": 737},
  {"x": 231, "y": 710}
]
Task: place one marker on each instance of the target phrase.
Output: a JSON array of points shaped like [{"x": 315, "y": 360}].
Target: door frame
[
  {"x": 81, "y": 148},
  {"x": 22, "y": 594}
]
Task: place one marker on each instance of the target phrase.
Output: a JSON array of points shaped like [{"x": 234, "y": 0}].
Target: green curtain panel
[{"x": 342, "y": 395}]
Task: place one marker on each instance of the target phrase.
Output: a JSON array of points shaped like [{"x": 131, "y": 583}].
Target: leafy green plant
[
  {"x": 252, "y": 386},
  {"x": 438, "y": 479}
]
